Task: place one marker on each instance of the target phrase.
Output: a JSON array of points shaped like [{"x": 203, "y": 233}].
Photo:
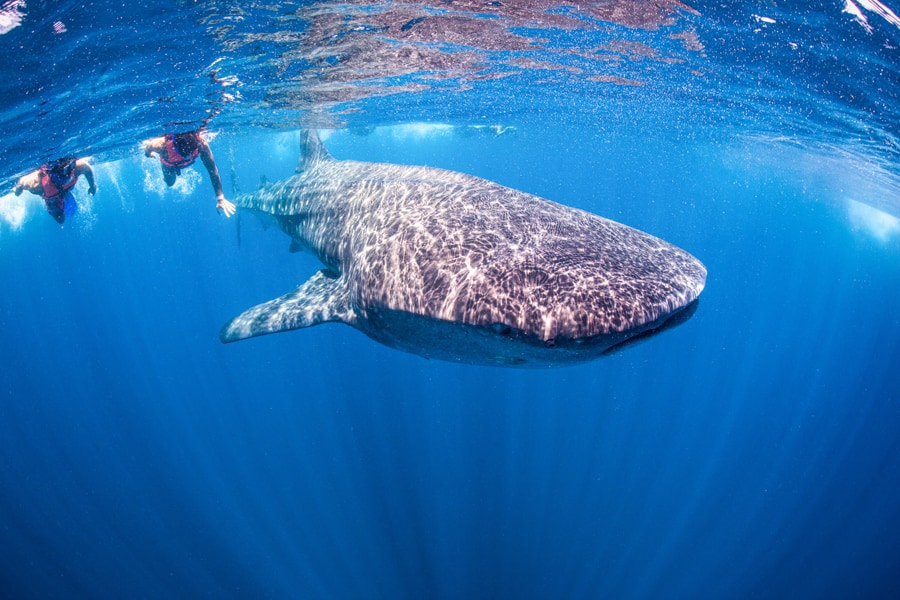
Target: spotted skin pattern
[{"x": 451, "y": 266}]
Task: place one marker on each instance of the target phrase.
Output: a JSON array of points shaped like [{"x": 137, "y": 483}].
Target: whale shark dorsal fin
[
  {"x": 323, "y": 298},
  {"x": 312, "y": 150}
]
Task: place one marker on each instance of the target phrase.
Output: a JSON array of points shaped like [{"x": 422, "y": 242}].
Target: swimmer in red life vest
[
  {"x": 54, "y": 181},
  {"x": 179, "y": 150}
]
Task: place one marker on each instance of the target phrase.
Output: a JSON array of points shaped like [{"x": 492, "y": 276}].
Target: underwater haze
[{"x": 751, "y": 452}]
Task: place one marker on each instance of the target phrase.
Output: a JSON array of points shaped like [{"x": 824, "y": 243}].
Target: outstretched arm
[
  {"x": 30, "y": 183},
  {"x": 157, "y": 144},
  {"x": 209, "y": 162},
  {"x": 83, "y": 168}
]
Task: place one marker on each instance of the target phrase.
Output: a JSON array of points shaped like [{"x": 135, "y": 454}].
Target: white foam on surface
[
  {"x": 874, "y": 6},
  {"x": 11, "y": 15}
]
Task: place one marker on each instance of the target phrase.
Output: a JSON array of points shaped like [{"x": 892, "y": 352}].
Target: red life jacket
[
  {"x": 176, "y": 159},
  {"x": 55, "y": 182}
]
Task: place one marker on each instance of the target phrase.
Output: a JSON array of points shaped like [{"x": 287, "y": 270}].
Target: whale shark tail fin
[{"x": 312, "y": 150}]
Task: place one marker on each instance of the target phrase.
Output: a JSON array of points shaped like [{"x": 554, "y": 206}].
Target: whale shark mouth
[{"x": 672, "y": 321}]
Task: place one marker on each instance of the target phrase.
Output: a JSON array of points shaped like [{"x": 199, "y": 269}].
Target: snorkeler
[
  {"x": 54, "y": 181},
  {"x": 179, "y": 150}
]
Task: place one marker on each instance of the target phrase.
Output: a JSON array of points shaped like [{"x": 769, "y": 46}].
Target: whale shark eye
[{"x": 501, "y": 328}]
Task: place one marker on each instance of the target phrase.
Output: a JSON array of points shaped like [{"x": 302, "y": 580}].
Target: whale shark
[{"x": 454, "y": 267}]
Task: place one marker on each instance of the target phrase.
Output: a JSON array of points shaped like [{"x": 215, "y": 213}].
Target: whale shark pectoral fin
[{"x": 324, "y": 297}]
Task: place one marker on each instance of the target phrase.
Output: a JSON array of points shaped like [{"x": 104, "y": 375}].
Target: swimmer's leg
[
  {"x": 56, "y": 210},
  {"x": 170, "y": 175}
]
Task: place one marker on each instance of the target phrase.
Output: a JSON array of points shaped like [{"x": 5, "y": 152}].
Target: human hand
[
  {"x": 225, "y": 206},
  {"x": 92, "y": 189}
]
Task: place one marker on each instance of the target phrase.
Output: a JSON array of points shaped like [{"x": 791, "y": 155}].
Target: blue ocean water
[{"x": 753, "y": 452}]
